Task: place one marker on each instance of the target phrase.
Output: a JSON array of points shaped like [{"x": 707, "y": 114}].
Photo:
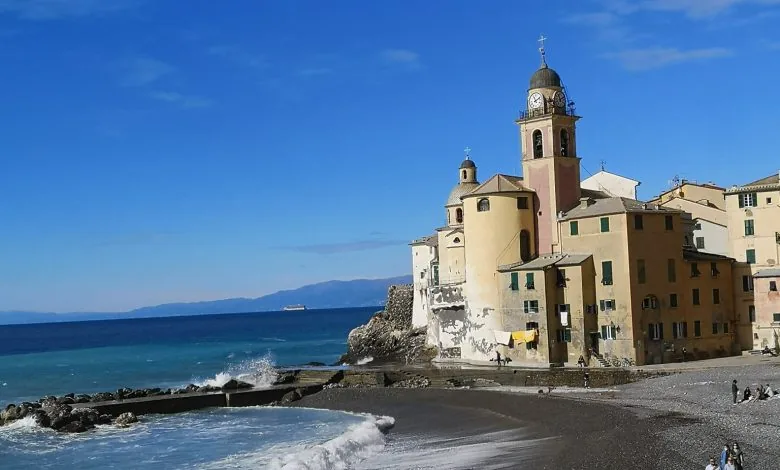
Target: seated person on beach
[
  {"x": 769, "y": 392},
  {"x": 746, "y": 395},
  {"x": 766, "y": 350},
  {"x": 581, "y": 361}
]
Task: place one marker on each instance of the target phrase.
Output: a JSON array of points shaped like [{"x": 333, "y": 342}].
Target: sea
[{"x": 91, "y": 356}]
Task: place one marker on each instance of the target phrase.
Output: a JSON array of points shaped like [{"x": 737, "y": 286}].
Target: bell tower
[{"x": 549, "y": 151}]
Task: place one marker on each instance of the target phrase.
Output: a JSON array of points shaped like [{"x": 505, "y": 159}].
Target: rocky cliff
[{"x": 388, "y": 336}]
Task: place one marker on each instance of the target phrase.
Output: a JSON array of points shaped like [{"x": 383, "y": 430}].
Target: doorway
[{"x": 594, "y": 341}]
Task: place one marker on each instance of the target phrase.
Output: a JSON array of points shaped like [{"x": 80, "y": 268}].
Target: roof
[
  {"x": 694, "y": 255},
  {"x": 460, "y": 190},
  {"x": 593, "y": 194},
  {"x": 499, "y": 184},
  {"x": 771, "y": 180},
  {"x": 545, "y": 261},
  {"x": 467, "y": 163},
  {"x": 615, "y": 205},
  {"x": 596, "y": 175},
  {"x": 545, "y": 77},
  {"x": 773, "y": 272},
  {"x": 430, "y": 240}
]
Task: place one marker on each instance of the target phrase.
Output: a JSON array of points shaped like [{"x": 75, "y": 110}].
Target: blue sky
[{"x": 153, "y": 153}]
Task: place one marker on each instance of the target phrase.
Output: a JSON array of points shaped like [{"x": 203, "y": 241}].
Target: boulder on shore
[
  {"x": 234, "y": 384},
  {"x": 389, "y": 336},
  {"x": 126, "y": 419}
]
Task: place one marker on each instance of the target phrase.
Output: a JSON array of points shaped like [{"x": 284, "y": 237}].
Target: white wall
[
  {"x": 422, "y": 255},
  {"x": 716, "y": 237},
  {"x": 613, "y": 184}
]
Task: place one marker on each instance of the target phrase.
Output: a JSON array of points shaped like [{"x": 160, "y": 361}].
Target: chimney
[{"x": 586, "y": 202}]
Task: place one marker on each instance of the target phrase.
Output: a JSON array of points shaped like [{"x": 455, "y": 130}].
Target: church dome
[
  {"x": 467, "y": 163},
  {"x": 545, "y": 77},
  {"x": 461, "y": 189}
]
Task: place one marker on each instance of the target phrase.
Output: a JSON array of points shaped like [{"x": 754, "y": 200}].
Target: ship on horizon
[{"x": 292, "y": 308}]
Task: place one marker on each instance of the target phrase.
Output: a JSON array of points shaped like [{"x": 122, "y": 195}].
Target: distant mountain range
[{"x": 329, "y": 294}]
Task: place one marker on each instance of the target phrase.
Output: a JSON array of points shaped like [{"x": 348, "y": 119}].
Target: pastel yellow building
[{"x": 544, "y": 271}]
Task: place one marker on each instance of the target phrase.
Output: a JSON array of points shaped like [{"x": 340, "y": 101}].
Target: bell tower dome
[{"x": 549, "y": 150}]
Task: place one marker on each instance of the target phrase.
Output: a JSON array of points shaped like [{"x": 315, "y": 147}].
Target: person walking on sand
[
  {"x": 712, "y": 465},
  {"x": 587, "y": 380},
  {"x": 734, "y": 392},
  {"x": 737, "y": 456},
  {"x": 724, "y": 455},
  {"x": 498, "y": 358},
  {"x": 685, "y": 354},
  {"x": 729, "y": 464}
]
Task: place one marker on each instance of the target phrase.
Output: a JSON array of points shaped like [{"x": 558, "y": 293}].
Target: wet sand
[{"x": 497, "y": 430}]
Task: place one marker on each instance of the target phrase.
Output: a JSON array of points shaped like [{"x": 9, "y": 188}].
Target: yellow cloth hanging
[{"x": 524, "y": 336}]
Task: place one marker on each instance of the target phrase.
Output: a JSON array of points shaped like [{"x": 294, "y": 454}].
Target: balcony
[
  {"x": 446, "y": 296},
  {"x": 529, "y": 114}
]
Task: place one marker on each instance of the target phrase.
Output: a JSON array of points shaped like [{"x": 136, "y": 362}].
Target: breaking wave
[
  {"x": 364, "y": 361},
  {"x": 259, "y": 372}
]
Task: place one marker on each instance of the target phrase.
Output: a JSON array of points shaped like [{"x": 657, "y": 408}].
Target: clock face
[
  {"x": 559, "y": 99},
  {"x": 535, "y": 100}
]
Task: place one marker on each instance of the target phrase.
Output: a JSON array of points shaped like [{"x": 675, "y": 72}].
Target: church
[{"x": 544, "y": 269}]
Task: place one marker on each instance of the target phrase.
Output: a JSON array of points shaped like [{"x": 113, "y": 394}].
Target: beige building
[
  {"x": 754, "y": 235},
  {"x": 542, "y": 270},
  {"x": 611, "y": 184}
]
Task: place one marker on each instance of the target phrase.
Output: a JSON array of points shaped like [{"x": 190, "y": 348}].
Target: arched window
[
  {"x": 564, "y": 143},
  {"x": 483, "y": 205},
  {"x": 525, "y": 245},
  {"x": 459, "y": 215},
  {"x": 538, "y": 145},
  {"x": 464, "y": 174}
]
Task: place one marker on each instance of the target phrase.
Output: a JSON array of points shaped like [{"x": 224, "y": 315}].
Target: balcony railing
[{"x": 541, "y": 112}]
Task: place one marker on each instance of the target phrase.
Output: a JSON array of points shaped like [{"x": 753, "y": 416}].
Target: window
[
  {"x": 715, "y": 296},
  {"x": 725, "y": 328},
  {"x": 608, "y": 332},
  {"x": 604, "y": 224},
  {"x": 531, "y": 306},
  {"x": 561, "y": 278},
  {"x": 747, "y": 283},
  {"x": 456, "y": 240},
  {"x": 564, "y": 335},
  {"x": 695, "y": 270},
  {"x": 463, "y": 174},
  {"x": 752, "y": 313},
  {"x": 459, "y": 215},
  {"x": 483, "y": 205},
  {"x": 639, "y": 222},
  {"x": 531, "y": 325},
  {"x": 769, "y": 200},
  {"x": 669, "y": 222},
  {"x": 773, "y": 286},
  {"x": 700, "y": 243},
  {"x": 671, "y": 272},
  {"x": 697, "y": 226},
  {"x": 776, "y": 318},
  {"x": 680, "y": 330},
  {"x": 529, "y": 281},
  {"x": 607, "y": 305},
  {"x": 655, "y": 331},
  {"x": 641, "y": 274},
  {"x": 538, "y": 144},
  {"x": 696, "y": 299},
  {"x": 649, "y": 302},
  {"x": 564, "y": 143},
  {"x": 514, "y": 283},
  {"x": 714, "y": 328},
  {"x": 697, "y": 328},
  {"x": 525, "y": 245},
  {"x": 606, "y": 273},
  {"x": 747, "y": 200},
  {"x": 750, "y": 228},
  {"x": 750, "y": 256},
  {"x": 522, "y": 202},
  {"x": 574, "y": 228},
  {"x": 673, "y": 300},
  {"x": 435, "y": 274},
  {"x": 714, "y": 269}
]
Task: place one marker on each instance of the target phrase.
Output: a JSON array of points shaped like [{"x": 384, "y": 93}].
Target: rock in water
[
  {"x": 126, "y": 419},
  {"x": 388, "y": 336},
  {"x": 234, "y": 384}
]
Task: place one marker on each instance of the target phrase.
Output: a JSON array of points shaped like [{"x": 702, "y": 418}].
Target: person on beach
[
  {"x": 729, "y": 464},
  {"x": 737, "y": 456},
  {"x": 724, "y": 455},
  {"x": 712, "y": 465},
  {"x": 587, "y": 380},
  {"x": 581, "y": 361},
  {"x": 498, "y": 358},
  {"x": 734, "y": 393},
  {"x": 684, "y": 353},
  {"x": 746, "y": 395}
]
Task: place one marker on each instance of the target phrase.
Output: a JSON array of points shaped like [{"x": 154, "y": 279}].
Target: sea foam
[{"x": 259, "y": 372}]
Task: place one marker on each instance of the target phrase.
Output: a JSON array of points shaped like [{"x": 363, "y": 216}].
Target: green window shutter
[
  {"x": 741, "y": 200},
  {"x": 696, "y": 300},
  {"x": 567, "y": 335},
  {"x": 602, "y": 305},
  {"x": 515, "y": 283},
  {"x": 605, "y": 224},
  {"x": 613, "y": 330},
  {"x": 697, "y": 328},
  {"x": 685, "y": 329},
  {"x": 606, "y": 272},
  {"x": 750, "y": 256},
  {"x": 529, "y": 280},
  {"x": 574, "y": 228},
  {"x": 674, "y": 330},
  {"x": 660, "y": 331},
  {"x": 749, "y": 228},
  {"x": 603, "y": 332}
]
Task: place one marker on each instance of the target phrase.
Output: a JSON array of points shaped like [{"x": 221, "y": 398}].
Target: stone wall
[{"x": 399, "y": 305}]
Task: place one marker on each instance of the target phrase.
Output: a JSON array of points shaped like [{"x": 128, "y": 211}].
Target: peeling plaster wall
[{"x": 422, "y": 255}]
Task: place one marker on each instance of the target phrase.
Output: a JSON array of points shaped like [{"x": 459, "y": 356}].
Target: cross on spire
[
  {"x": 603, "y": 164},
  {"x": 541, "y": 48},
  {"x": 467, "y": 151}
]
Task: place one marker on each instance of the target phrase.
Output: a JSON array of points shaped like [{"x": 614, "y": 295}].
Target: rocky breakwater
[
  {"x": 389, "y": 337},
  {"x": 58, "y": 414}
]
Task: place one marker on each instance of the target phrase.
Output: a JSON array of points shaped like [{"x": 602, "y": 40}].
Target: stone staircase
[{"x": 600, "y": 360}]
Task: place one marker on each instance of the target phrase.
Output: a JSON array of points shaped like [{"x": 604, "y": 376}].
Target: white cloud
[
  {"x": 400, "y": 57},
  {"x": 142, "y": 71},
  {"x": 55, "y": 9},
  {"x": 657, "y": 57},
  {"x": 185, "y": 101}
]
